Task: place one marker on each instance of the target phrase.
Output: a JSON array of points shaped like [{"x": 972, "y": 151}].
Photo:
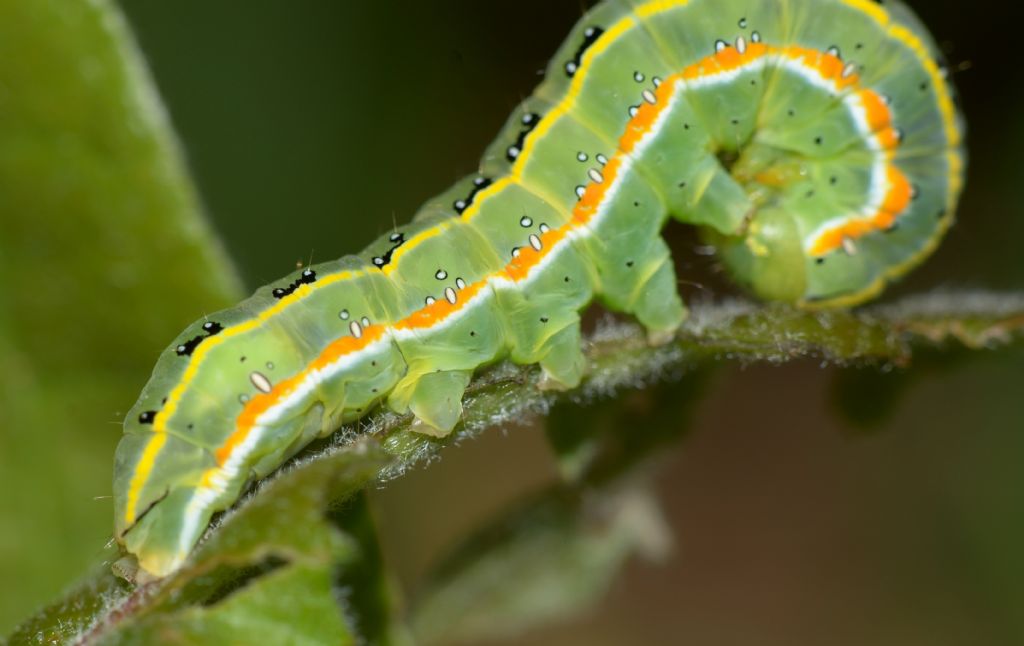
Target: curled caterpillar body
[{"x": 815, "y": 142}]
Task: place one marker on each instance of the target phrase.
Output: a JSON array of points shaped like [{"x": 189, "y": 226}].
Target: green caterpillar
[{"x": 815, "y": 142}]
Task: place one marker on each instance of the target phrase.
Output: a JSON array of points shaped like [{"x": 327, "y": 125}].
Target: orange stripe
[
  {"x": 261, "y": 403},
  {"x": 876, "y": 111},
  {"x": 585, "y": 210}
]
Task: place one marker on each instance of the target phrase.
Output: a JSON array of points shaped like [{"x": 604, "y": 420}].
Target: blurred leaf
[
  {"x": 552, "y": 556},
  {"x": 104, "y": 256},
  {"x": 557, "y": 552}
]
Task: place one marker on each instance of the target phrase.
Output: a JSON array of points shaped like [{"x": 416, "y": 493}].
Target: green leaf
[
  {"x": 255, "y": 615},
  {"x": 104, "y": 256},
  {"x": 306, "y": 527}
]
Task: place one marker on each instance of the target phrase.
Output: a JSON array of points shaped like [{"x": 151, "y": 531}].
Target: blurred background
[{"x": 311, "y": 126}]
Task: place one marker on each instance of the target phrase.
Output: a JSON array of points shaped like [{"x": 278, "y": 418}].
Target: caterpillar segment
[{"x": 815, "y": 143}]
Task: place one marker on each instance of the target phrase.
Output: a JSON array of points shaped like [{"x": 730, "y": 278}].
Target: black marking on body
[
  {"x": 479, "y": 184},
  {"x": 590, "y": 36},
  {"x": 145, "y": 511},
  {"x": 188, "y": 347},
  {"x": 147, "y": 417},
  {"x": 307, "y": 277},
  {"x": 529, "y": 121},
  {"x": 396, "y": 240}
]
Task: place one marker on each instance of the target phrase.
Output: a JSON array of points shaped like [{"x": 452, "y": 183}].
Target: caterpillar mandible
[{"x": 816, "y": 143}]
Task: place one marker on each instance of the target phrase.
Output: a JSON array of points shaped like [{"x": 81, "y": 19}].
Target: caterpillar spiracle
[{"x": 816, "y": 143}]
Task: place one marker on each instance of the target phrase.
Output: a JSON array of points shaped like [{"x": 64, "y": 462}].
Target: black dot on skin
[
  {"x": 241, "y": 359},
  {"x": 735, "y": 122},
  {"x": 472, "y": 333},
  {"x": 819, "y": 140},
  {"x": 820, "y": 261},
  {"x": 682, "y": 184},
  {"x": 833, "y": 180},
  {"x": 543, "y": 319},
  {"x": 791, "y": 112},
  {"x": 686, "y": 126},
  {"x": 373, "y": 390},
  {"x": 373, "y": 363},
  {"x": 629, "y": 263},
  {"x": 924, "y": 87},
  {"x": 566, "y": 279},
  {"x": 163, "y": 401},
  {"x": 636, "y": 204},
  {"x": 810, "y": 194},
  {"x": 190, "y": 426}
]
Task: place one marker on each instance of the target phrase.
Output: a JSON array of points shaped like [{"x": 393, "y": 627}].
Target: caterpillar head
[
  {"x": 160, "y": 508},
  {"x": 768, "y": 258}
]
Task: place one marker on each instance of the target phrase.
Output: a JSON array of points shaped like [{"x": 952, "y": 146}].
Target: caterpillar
[{"x": 815, "y": 143}]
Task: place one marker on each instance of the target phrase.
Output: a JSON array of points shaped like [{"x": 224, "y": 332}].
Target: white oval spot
[
  {"x": 261, "y": 382},
  {"x": 461, "y": 284},
  {"x": 526, "y": 222},
  {"x": 355, "y": 329},
  {"x": 649, "y": 97},
  {"x": 449, "y": 295},
  {"x": 535, "y": 242},
  {"x": 343, "y": 315},
  {"x": 429, "y": 300},
  {"x": 595, "y": 175},
  {"x": 441, "y": 274}
]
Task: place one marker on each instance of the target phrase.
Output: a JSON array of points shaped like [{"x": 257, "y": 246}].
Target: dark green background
[{"x": 311, "y": 126}]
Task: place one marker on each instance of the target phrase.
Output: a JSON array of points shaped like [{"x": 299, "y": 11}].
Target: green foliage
[
  {"x": 104, "y": 256},
  {"x": 102, "y": 246},
  {"x": 552, "y": 554}
]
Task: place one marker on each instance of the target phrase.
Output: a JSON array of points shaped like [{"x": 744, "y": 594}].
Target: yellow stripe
[
  {"x": 145, "y": 465},
  {"x": 156, "y": 442},
  {"x": 411, "y": 244},
  {"x": 953, "y": 138},
  {"x": 658, "y": 6},
  {"x": 142, "y": 470},
  {"x": 872, "y": 9}
]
